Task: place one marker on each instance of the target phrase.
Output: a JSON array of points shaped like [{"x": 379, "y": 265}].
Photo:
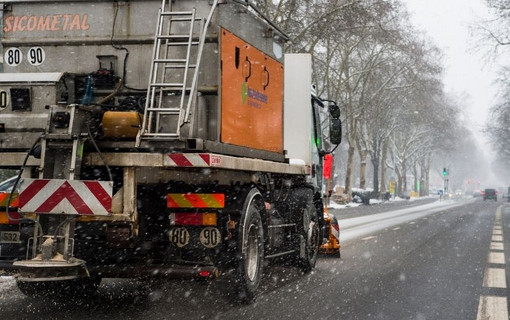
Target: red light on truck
[
  {"x": 4, "y": 219},
  {"x": 205, "y": 274},
  {"x": 193, "y": 219}
]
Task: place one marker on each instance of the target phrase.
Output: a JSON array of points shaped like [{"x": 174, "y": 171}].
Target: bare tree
[{"x": 387, "y": 82}]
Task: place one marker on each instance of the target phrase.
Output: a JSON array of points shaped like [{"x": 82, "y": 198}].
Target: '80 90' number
[{"x": 14, "y": 56}]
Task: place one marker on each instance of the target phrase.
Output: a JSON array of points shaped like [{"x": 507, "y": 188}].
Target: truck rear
[{"x": 159, "y": 139}]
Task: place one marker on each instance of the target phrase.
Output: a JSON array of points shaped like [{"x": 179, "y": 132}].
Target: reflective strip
[
  {"x": 335, "y": 228},
  {"x": 4, "y": 197},
  {"x": 195, "y": 200},
  {"x": 335, "y": 231},
  {"x": 193, "y": 219},
  {"x": 66, "y": 196},
  {"x": 189, "y": 160}
]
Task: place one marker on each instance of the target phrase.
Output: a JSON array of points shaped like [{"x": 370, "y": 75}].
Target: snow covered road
[{"x": 352, "y": 228}]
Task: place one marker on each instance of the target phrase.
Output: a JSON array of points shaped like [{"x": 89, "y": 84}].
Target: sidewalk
[{"x": 360, "y": 210}]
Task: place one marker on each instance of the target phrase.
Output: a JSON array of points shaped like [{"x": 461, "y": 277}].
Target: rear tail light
[
  {"x": 193, "y": 219},
  {"x": 4, "y": 219},
  {"x": 205, "y": 274}
]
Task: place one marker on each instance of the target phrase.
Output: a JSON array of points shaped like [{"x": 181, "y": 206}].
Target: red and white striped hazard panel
[
  {"x": 192, "y": 160},
  {"x": 335, "y": 230},
  {"x": 66, "y": 196}
]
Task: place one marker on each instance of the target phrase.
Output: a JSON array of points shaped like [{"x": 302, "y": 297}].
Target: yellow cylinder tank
[{"x": 121, "y": 124}]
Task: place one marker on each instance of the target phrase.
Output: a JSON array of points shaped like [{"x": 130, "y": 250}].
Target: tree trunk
[
  {"x": 415, "y": 177},
  {"x": 425, "y": 175},
  {"x": 423, "y": 187},
  {"x": 403, "y": 176},
  {"x": 384, "y": 155},
  {"x": 376, "y": 176},
  {"x": 363, "y": 169},
  {"x": 399, "y": 182},
  {"x": 350, "y": 165},
  {"x": 374, "y": 158}
]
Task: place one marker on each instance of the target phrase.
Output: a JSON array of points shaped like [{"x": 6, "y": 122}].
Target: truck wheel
[
  {"x": 76, "y": 288},
  {"x": 251, "y": 248},
  {"x": 312, "y": 238}
]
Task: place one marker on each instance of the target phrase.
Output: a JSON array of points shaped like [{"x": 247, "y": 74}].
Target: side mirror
[
  {"x": 334, "y": 111},
  {"x": 335, "y": 131}
]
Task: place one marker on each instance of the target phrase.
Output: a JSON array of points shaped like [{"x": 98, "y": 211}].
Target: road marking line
[
  {"x": 490, "y": 307},
  {"x": 497, "y": 246},
  {"x": 395, "y": 229},
  {"x": 493, "y": 308},
  {"x": 368, "y": 238},
  {"x": 497, "y": 257},
  {"x": 497, "y": 238},
  {"x": 494, "y": 278}
]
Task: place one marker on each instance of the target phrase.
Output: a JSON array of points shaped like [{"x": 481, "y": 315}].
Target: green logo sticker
[{"x": 244, "y": 92}]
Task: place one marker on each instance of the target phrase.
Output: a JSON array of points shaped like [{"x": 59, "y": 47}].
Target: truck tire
[
  {"x": 310, "y": 231},
  {"x": 76, "y": 288},
  {"x": 248, "y": 272},
  {"x": 308, "y": 235}
]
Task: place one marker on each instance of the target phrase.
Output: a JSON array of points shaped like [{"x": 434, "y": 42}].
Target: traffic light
[{"x": 444, "y": 172}]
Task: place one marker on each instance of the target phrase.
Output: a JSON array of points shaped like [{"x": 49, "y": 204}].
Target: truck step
[
  {"x": 165, "y": 110},
  {"x": 176, "y": 13}
]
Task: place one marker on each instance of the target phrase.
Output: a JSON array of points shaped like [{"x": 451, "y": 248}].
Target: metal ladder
[{"x": 165, "y": 64}]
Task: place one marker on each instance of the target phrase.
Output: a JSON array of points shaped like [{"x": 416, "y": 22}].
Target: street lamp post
[{"x": 445, "y": 181}]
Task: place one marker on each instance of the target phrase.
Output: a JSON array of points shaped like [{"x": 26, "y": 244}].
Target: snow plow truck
[{"x": 158, "y": 138}]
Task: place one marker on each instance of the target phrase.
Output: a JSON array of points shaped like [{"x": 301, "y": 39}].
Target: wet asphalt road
[{"x": 431, "y": 267}]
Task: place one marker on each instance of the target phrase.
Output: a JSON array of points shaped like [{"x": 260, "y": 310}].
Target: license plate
[{"x": 10, "y": 237}]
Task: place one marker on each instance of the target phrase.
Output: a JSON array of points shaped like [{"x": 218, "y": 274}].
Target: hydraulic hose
[{"x": 9, "y": 200}]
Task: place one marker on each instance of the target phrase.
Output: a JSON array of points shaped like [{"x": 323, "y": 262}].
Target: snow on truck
[{"x": 158, "y": 139}]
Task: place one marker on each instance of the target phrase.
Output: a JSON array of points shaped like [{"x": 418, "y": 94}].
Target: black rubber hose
[{"x": 9, "y": 200}]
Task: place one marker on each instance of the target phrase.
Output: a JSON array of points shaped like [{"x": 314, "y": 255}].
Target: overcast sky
[
  {"x": 467, "y": 74},
  {"x": 447, "y": 23}
]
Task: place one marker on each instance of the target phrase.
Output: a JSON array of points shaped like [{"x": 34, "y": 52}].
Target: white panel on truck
[{"x": 297, "y": 108}]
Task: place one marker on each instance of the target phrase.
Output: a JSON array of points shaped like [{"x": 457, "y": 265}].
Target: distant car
[
  {"x": 405, "y": 195},
  {"x": 6, "y": 185},
  {"x": 490, "y": 194},
  {"x": 477, "y": 194},
  {"x": 458, "y": 192}
]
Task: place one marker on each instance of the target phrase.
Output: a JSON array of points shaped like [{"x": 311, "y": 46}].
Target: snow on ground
[
  {"x": 361, "y": 226},
  {"x": 6, "y": 284},
  {"x": 334, "y": 205}
]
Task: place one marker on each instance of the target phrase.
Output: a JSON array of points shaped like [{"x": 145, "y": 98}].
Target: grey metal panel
[
  {"x": 15, "y": 159},
  {"x": 161, "y": 160},
  {"x": 125, "y": 159},
  {"x": 73, "y": 47},
  {"x": 24, "y": 121},
  {"x": 223, "y": 148},
  {"x": 91, "y": 19},
  {"x": 17, "y": 141},
  {"x": 241, "y": 22},
  {"x": 31, "y": 77},
  {"x": 74, "y": 51},
  {"x": 37, "y": 1}
]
